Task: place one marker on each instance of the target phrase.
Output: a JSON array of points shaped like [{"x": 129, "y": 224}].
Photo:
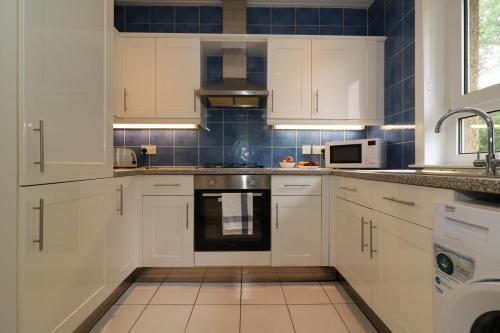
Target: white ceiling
[{"x": 263, "y": 3}]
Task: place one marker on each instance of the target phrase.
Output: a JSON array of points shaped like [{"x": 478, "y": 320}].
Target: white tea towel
[{"x": 237, "y": 214}]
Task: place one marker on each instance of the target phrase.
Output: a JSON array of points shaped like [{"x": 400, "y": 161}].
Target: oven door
[{"x": 208, "y": 223}]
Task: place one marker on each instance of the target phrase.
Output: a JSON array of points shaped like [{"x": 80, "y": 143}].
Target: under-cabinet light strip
[
  {"x": 320, "y": 127},
  {"x": 155, "y": 126}
]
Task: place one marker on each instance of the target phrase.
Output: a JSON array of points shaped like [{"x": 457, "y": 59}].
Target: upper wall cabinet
[
  {"x": 289, "y": 78},
  {"x": 346, "y": 79},
  {"x": 65, "y": 119}
]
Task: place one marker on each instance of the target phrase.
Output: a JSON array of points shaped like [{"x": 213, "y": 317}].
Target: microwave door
[{"x": 347, "y": 156}]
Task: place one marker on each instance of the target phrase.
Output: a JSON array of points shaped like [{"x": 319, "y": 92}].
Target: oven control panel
[{"x": 232, "y": 182}]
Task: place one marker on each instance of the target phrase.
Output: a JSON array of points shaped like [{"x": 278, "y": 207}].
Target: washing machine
[{"x": 467, "y": 268}]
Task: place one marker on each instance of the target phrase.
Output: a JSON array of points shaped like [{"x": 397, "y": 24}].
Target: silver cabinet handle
[
  {"x": 187, "y": 215},
  {"x": 296, "y": 185},
  {"x": 120, "y": 209},
  {"x": 125, "y": 104},
  {"x": 363, "y": 244},
  {"x": 372, "y": 251},
  {"x": 40, "y": 131},
  {"x": 408, "y": 203},
  {"x": 166, "y": 185},
  {"x": 40, "y": 209},
  {"x": 277, "y": 217},
  {"x": 317, "y": 101},
  {"x": 351, "y": 189},
  {"x": 272, "y": 100},
  {"x": 194, "y": 100}
]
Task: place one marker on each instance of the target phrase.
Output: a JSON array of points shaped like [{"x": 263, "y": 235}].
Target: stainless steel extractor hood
[{"x": 234, "y": 90}]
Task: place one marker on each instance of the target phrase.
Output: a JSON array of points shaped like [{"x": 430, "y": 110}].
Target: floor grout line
[
  {"x": 335, "y": 308},
  {"x": 287, "y": 307},
  {"x": 145, "y": 306},
  {"x": 192, "y": 308}
]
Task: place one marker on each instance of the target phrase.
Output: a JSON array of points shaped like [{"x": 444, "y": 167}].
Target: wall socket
[
  {"x": 150, "y": 149},
  {"x": 306, "y": 149},
  {"x": 316, "y": 150}
]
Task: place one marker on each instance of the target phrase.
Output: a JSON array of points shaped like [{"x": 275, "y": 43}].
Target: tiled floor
[{"x": 233, "y": 307}]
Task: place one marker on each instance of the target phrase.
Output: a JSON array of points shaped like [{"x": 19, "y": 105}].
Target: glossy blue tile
[
  {"x": 261, "y": 156},
  {"x": 408, "y": 154},
  {"x": 214, "y": 115},
  {"x": 355, "y": 31},
  {"x": 162, "y": 27},
  {"x": 119, "y": 18},
  {"x": 259, "y": 135},
  {"x": 394, "y": 135},
  {"x": 283, "y": 30},
  {"x": 355, "y": 135},
  {"x": 393, "y": 13},
  {"x": 307, "y": 16},
  {"x": 236, "y": 154},
  {"x": 136, "y": 137},
  {"x": 284, "y": 138},
  {"x": 235, "y": 134},
  {"x": 355, "y": 17},
  {"x": 282, "y": 153},
  {"x": 331, "y": 30},
  {"x": 235, "y": 116},
  {"x": 162, "y": 137},
  {"x": 377, "y": 28},
  {"x": 375, "y": 10},
  {"x": 210, "y": 28},
  {"x": 257, "y": 116},
  {"x": 137, "y": 27},
  {"x": 374, "y": 132},
  {"x": 283, "y": 16},
  {"x": 409, "y": 60},
  {"x": 409, "y": 28},
  {"x": 137, "y": 14},
  {"x": 212, "y": 136},
  {"x": 211, "y": 155},
  {"x": 213, "y": 77},
  {"x": 395, "y": 69},
  {"x": 164, "y": 157},
  {"x": 258, "y": 78},
  {"x": 256, "y": 64},
  {"x": 162, "y": 14},
  {"x": 118, "y": 137},
  {"x": 187, "y": 14},
  {"x": 409, "y": 93},
  {"x": 408, "y": 5},
  {"x": 186, "y": 138},
  {"x": 211, "y": 15},
  {"x": 395, "y": 156},
  {"x": 259, "y": 15},
  {"x": 308, "y": 138},
  {"x": 258, "y": 29},
  {"x": 387, "y": 101},
  {"x": 409, "y": 119},
  {"x": 395, "y": 99},
  {"x": 329, "y": 136},
  {"x": 331, "y": 16},
  {"x": 192, "y": 28},
  {"x": 394, "y": 41},
  {"x": 186, "y": 156},
  {"x": 307, "y": 30},
  {"x": 214, "y": 64}
]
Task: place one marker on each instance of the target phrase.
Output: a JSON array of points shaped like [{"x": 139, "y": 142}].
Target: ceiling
[{"x": 260, "y": 3}]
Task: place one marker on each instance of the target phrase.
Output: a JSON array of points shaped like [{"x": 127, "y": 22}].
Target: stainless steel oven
[{"x": 208, "y": 212}]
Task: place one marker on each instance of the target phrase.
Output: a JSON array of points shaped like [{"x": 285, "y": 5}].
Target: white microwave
[{"x": 356, "y": 154}]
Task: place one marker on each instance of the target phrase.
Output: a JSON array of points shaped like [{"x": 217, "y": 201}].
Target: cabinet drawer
[
  {"x": 356, "y": 190},
  {"x": 409, "y": 202},
  {"x": 167, "y": 185},
  {"x": 296, "y": 185}
]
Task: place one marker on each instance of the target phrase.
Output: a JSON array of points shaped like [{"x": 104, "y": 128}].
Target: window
[
  {"x": 473, "y": 134},
  {"x": 482, "y": 44}
]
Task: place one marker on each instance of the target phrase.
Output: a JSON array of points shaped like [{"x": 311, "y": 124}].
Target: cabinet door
[
  {"x": 289, "y": 79},
  {"x": 65, "y": 129},
  {"x": 61, "y": 283},
  {"x": 139, "y": 77},
  {"x": 345, "y": 79},
  {"x": 177, "y": 77},
  {"x": 354, "y": 258},
  {"x": 403, "y": 288},
  {"x": 168, "y": 231},
  {"x": 296, "y": 231}
]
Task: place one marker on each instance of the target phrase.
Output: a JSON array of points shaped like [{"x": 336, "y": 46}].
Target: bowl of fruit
[
  {"x": 288, "y": 162},
  {"x": 308, "y": 164}
]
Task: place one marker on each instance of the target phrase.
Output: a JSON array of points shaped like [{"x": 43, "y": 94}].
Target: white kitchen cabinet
[
  {"x": 139, "y": 76},
  {"x": 296, "y": 231},
  {"x": 168, "y": 239},
  {"x": 61, "y": 254},
  {"x": 177, "y": 77},
  {"x": 289, "y": 78},
  {"x": 346, "y": 76},
  {"x": 65, "y": 50}
]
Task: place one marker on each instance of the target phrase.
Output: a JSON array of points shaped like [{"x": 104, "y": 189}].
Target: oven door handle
[{"x": 220, "y": 194}]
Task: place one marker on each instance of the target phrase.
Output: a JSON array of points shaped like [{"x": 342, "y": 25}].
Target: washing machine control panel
[{"x": 452, "y": 268}]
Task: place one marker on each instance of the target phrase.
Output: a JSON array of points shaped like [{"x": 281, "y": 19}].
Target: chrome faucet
[{"x": 490, "y": 161}]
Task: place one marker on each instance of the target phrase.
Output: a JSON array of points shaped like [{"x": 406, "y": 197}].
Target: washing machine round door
[{"x": 474, "y": 308}]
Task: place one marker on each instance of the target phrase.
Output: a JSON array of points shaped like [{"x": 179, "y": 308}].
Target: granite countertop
[{"x": 219, "y": 171}]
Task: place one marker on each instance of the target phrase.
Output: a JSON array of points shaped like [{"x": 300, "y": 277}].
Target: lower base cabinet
[{"x": 168, "y": 231}]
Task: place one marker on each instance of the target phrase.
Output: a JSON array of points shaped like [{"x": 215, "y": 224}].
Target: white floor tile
[
  {"x": 317, "y": 318},
  {"x": 176, "y": 293},
  {"x": 118, "y": 319},
  {"x": 219, "y": 293},
  {"x": 336, "y": 293},
  {"x": 354, "y": 318},
  {"x": 214, "y": 319},
  {"x": 163, "y": 318},
  {"x": 265, "y": 319},
  {"x": 262, "y": 293},
  {"x": 139, "y": 293},
  {"x": 304, "y": 293}
]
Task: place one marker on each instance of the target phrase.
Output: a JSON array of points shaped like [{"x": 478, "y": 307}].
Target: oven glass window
[{"x": 346, "y": 153}]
